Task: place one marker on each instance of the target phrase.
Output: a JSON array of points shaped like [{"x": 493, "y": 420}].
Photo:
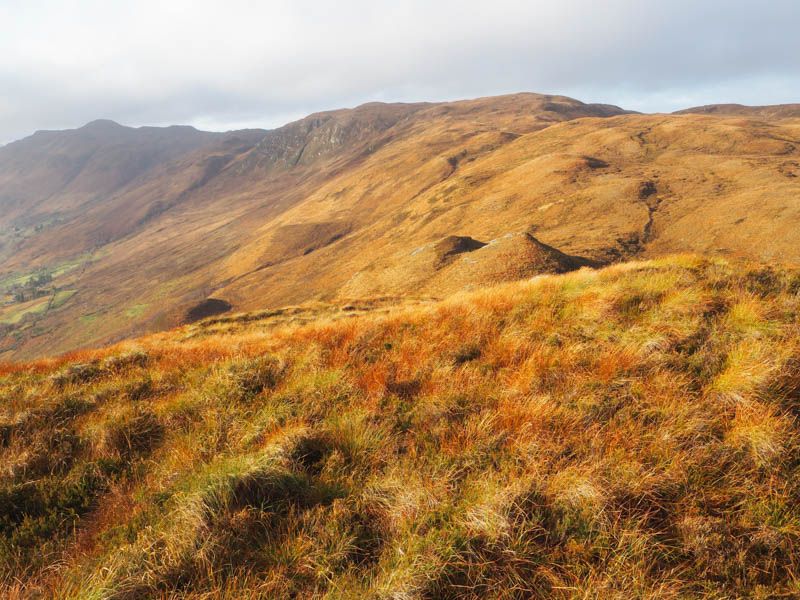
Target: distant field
[
  {"x": 61, "y": 297},
  {"x": 14, "y": 313},
  {"x": 136, "y": 311}
]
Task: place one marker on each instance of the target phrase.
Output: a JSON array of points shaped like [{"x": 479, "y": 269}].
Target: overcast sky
[{"x": 247, "y": 63}]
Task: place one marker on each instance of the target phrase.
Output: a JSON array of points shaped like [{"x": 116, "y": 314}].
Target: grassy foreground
[{"x": 623, "y": 433}]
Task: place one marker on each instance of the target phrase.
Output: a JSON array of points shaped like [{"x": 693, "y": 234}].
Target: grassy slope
[
  {"x": 253, "y": 232},
  {"x": 621, "y": 433}
]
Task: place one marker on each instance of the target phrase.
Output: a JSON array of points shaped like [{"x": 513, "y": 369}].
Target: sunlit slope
[
  {"x": 600, "y": 188},
  {"x": 182, "y": 229},
  {"x": 777, "y": 111},
  {"x": 337, "y": 206},
  {"x": 627, "y": 432}
]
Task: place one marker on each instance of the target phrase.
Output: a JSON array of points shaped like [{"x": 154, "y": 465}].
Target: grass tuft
[{"x": 629, "y": 432}]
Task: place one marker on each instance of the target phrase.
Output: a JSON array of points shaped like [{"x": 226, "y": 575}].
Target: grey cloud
[{"x": 244, "y": 62}]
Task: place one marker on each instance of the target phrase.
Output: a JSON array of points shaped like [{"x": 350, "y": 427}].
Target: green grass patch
[
  {"x": 56, "y": 269},
  {"x": 135, "y": 311},
  {"x": 15, "y": 313},
  {"x": 61, "y": 298}
]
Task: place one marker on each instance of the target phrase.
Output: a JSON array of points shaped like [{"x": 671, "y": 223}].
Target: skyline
[{"x": 250, "y": 64}]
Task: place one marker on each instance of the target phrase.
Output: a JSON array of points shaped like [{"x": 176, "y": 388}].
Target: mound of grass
[{"x": 623, "y": 433}]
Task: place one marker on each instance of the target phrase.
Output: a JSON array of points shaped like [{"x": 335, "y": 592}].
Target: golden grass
[{"x": 628, "y": 432}]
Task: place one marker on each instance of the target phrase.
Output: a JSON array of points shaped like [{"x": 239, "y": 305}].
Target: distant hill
[
  {"x": 778, "y": 111},
  {"x": 108, "y": 232},
  {"x": 55, "y": 172}
]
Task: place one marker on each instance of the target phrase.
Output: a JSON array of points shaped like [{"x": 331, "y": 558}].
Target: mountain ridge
[{"x": 321, "y": 207}]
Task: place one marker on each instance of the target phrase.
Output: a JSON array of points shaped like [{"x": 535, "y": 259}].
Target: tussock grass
[{"x": 623, "y": 433}]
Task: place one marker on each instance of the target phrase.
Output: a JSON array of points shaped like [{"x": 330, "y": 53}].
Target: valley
[{"x": 137, "y": 226}]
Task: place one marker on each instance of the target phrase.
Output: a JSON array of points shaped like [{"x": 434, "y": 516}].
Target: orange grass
[{"x": 629, "y": 432}]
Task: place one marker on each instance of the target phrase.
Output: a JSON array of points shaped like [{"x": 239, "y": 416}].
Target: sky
[{"x": 231, "y": 64}]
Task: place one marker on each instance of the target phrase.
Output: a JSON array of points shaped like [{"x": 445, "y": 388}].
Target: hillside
[
  {"x": 777, "y": 111},
  {"x": 351, "y": 203},
  {"x": 52, "y": 174},
  {"x": 629, "y": 432}
]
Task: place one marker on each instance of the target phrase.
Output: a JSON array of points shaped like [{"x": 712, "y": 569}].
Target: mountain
[
  {"x": 777, "y": 111},
  {"x": 624, "y": 432},
  {"x": 110, "y": 232},
  {"x": 53, "y": 174}
]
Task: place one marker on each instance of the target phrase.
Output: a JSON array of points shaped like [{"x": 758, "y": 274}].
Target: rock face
[{"x": 321, "y": 135}]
